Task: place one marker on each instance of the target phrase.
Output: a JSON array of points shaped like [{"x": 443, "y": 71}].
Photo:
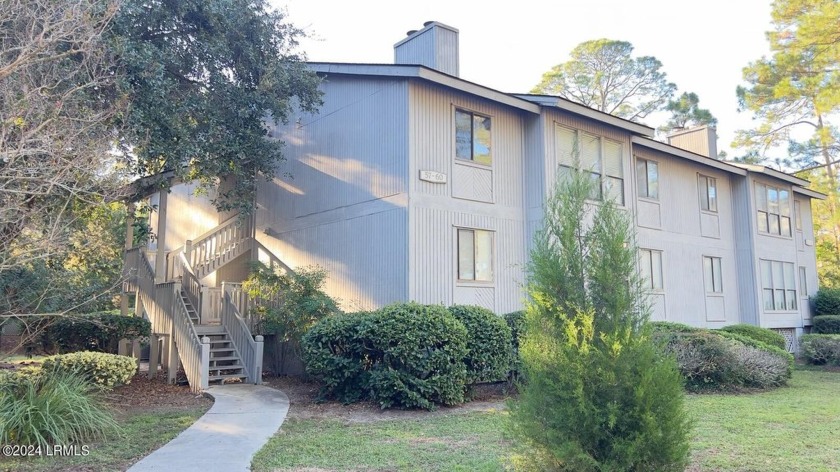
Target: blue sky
[{"x": 703, "y": 46}]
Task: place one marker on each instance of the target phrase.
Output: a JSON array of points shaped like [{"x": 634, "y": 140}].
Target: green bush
[
  {"x": 104, "y": 370},
  {"x": 406, "y": 355},
  {"x": 92, "y": 332},
  {"x": 764, "y": 335},
  {"x": 827, "y": 302},
  {"x": 516, "y": 323},
  {"x": 670, "y": 327},
  {"x": 827, "y": 324},
  {"x": 820, "y": 349},
  {"x": 488, "y": 344},
  {"x": 61, "y": 408}
]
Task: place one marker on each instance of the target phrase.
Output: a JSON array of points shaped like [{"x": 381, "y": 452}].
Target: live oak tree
[
  {"x": 604, "y": 75},
  {"x": 203, "y": 77},
  {"x": 793, "y": 94}
]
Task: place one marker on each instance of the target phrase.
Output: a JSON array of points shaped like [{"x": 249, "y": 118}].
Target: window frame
[
  {"x": 717, "y": 282},
  {"x": 605, "y": 179},
  {"x": 764, "y": 211},
  {"x": 705, "y": 196},
  {"x": 647, "y": 194},
  {"x": 475, "y": 258},
  {"x": 473, "y": 115},
  {"x": 646, "y": 258},
  {"x": 790, "y": 301}
]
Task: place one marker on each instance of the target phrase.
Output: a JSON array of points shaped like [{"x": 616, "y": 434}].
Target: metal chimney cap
[{"x": 410, "y": 32}]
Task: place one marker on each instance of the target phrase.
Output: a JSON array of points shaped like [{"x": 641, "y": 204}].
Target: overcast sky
[{"x": 703, "y": 46}]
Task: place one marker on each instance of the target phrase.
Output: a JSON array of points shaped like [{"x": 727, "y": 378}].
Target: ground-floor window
[
  {"x": 650, "y": 265},
  {"x": 777, "y": 285},
  {"x": 712, "y": 274},
  {"x": 475, "y": 255}
]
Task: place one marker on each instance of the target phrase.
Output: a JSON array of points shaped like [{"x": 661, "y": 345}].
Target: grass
[
  {"x": 143, "y": 432},
  {"x": 789, "y": 429}
]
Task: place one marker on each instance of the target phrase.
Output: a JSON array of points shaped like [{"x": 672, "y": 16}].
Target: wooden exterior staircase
[{"x": 211, "y": 341}]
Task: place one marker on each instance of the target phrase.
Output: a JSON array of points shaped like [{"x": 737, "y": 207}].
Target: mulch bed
[{"x": 154, "y": 395}]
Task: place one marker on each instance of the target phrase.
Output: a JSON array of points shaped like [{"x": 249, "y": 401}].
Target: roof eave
[{"x": 698, "y": 158}]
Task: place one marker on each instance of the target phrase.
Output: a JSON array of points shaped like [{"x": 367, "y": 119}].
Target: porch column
[
  {"x": 160, "y": 256},
  {"x": 129, "y": 243},
  {"x": 154, "y": 355},
  {"x": 172, "y": 365}
]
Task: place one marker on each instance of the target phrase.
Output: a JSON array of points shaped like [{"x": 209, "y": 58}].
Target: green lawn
[
  {"x": 790, "y": 429},
  {"x": 143, "y": 433}
]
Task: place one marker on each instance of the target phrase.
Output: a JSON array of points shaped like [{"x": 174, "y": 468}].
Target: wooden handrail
[{"x": 250, "y": 349}]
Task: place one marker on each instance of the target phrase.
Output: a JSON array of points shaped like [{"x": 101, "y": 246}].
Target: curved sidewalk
[{"x": 241, "y": 420}]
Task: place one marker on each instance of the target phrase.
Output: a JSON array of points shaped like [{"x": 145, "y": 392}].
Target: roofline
[
  {"x": 698, "y": 158},
  {"x": 577, "y": 108},
  {"x": 809, "y": 193},
  {"x": 422, "y": 72},
  {"x": 758, "y": 169}
]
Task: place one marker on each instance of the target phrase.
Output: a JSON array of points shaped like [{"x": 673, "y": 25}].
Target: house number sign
[{"x": 433, "y": 177}]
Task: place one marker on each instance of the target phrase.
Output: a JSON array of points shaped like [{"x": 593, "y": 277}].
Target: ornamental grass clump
[{"x": 597, "y": 394}]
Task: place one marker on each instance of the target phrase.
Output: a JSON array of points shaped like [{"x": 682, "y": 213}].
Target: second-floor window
[
  {"x": 472, "y": 137},
  {"x": 601, "y": 158},
  {"x": 772, "y": 209},
  {"x": 647, "y": 178},
  {"x": 777, "y": 285},
  {"x": 708, "y": 193}
]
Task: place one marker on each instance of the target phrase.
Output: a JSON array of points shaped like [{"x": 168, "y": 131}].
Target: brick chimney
[
  {"x": 434, "y": 46},
  {"x": 699, "y": 140}
]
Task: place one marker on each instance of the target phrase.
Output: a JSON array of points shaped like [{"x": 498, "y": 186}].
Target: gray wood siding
[
  {"x": 744, "y": 221},
  {"x": 189, "y": 215},
  {"x": 684, "y": 242},
  {"x": 806, "y": 257},
  {"x": 474, "y": 196},
  {"x": 344, "y": 205}
]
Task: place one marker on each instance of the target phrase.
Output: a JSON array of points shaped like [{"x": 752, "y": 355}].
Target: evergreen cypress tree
[{"x": 597, "y": 394}]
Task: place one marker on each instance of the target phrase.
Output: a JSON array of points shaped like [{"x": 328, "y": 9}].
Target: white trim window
[
  {"x": 707, "y": 187},
  {"x": 772, "y": 209},
  {"x": 778, "y": 288},
  {"x": 473, "y": 137},
  {"x": 803, "y": 282},
  {"x": 475, "y": 255},
  {"x": 797, "y": 215},
  {"x": 599, "y": 157},
  {"x": 650, "y": 269},
  {"x": 712, "y": 274},
  {"x": 647, "y": 178}
]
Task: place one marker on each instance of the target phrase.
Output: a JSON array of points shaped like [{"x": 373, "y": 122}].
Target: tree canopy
[
  {"x": 202, "y": 77},
  {"x": 793, "y": 94},
  {"x": 604, "y": 75},
  {"x": 686, "y": 112}
]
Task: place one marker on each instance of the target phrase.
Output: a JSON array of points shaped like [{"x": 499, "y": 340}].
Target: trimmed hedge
[
  {"x": 488, "y": 343},
  {"x": 105, "y": 370},
  {"x": 670, "y": 327},
  {"x": 827, "y": 324},
  {"x": 405, "y": 355},
  {"x": 92, "y": 332},
  {"x": 827, "y": 302},
  {"x": 516, "y": 322},
  {"x": 820, "y": 349},
  {"x": 764, "y": 335}
]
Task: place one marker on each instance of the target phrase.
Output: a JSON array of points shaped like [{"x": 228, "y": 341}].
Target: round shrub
[
  {"x": 334, "y": 352},
  {"x": 670, "y": 327},
  {"x": 488, "y": 343},
  {"x": 764, "y": 335},
  {"x": 105, "y": 370},
  {"x": 92, "y": 332},
  {"x": 827, "y": 324},
  {"x": 827, "y": 302},
  {"x": 819, "y": 349}
]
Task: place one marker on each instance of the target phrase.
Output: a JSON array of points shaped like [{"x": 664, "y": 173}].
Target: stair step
[
  {"x": 206, "y": 330},
  {"x": 224, "y": 358},
  {"x": 220, "y": 368},
  {"x": 228, "y": 376},
  {"x": 222, "y": 349}
]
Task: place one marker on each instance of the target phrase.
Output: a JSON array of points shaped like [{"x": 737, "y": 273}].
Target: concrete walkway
[{"x": 241, "y": 420}]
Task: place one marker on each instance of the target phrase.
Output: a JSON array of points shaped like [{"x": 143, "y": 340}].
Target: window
[
  {"x": 599, "y": 157},
  {"x": 777, "y": 285},
  {"x": 472, "y": 137},
  {"x": 651, "y": 268},
  {"x": 712, "y": 274},
  {"x": 773, "y": 209},
  {"x": 647, "y": 178},
  {"x": 803, "y": 281},
  {"x": 708, "y": 193},
  {"x": 475, "y": 255},
  {"x": 797, "y": 215}
]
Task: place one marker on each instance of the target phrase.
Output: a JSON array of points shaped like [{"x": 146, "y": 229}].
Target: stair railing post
[
  {"x": 258, "y": 360},
  {"x": 205, "y": 362},
  {"x": 188, "y": 253}
]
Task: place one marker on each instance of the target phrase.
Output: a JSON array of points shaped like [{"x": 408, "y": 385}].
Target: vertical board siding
[
  {"x": 806, "y": 258},
  {"x": 189, "y": 215},
  {"x": 343, "y": 206}
]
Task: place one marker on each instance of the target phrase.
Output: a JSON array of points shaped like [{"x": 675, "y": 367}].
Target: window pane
[
  {"x": 762, "y": 221},
  {"x": 797, "y": 210},
  {"x": 803, "y": 281},
  {"x": 653, "y": 179},
  {"x": 789, "y": 281},
  {"x": 614, "y": 190},
  {"x": 784, "y": 202},
  {"x": 641, "y": 177},
  {"x": 774, "y": 223},
  {"x": 718, "y": 276},
  {"x": 712, "y": 188},
  {"x": 778, "y": 276},
  {"x": 463, "y": 135},
  {"x": 644, "y": 266},
  {"x": 566, "y": 146},
  {"x": 768, "y": 299},
  {"x": 481, "y": 140},
  {"x": 612, "y": 159},
  {"x": 656, "y": 269},
  {"x": 483, "y": 255},
  {"x": 772, "y": 200},
  {"x": 791, "y": 299},
  {"x": 595, "y": 193},
  {"x": 785, "y": 226},
  {"x": 761, "y": 197},
  {"x": 766, "y": 275},
  {"x": 466, "y": 255},
  {"x": 779, "y": 299},
  {"x": 703, "y": 191},
  {"x": 590, "y": 153},
  {"x": 708, "y": 276}
]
